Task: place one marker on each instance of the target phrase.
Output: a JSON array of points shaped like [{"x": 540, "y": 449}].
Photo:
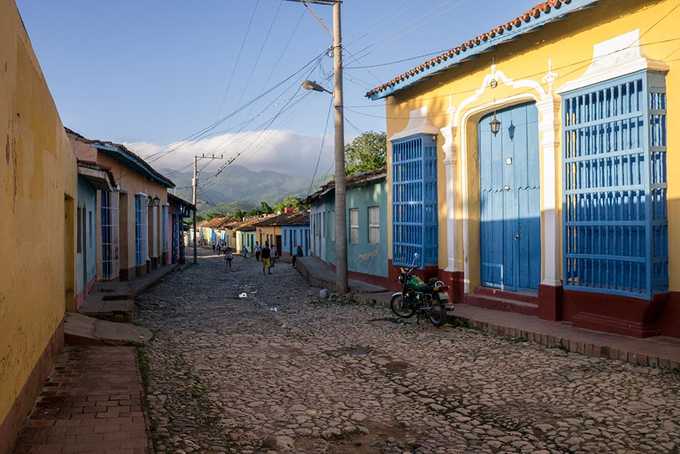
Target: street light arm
[{"x": 312, "y": 85}]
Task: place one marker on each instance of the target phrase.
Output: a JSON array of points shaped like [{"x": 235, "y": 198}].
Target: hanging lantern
[{"x": 495, "y": 125}]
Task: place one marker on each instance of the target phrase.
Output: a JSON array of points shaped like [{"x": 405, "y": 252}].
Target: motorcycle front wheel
[
  {"x": 400, "y": 307},
  {"x": 437, "y": 313}
]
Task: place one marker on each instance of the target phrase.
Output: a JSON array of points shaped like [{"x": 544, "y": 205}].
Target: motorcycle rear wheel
[
  {"x": 438, "y": 313},
  {"x": 400, "y": 307}
]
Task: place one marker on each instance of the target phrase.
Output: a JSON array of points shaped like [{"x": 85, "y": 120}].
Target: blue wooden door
[{"x": 510, "y": 236}]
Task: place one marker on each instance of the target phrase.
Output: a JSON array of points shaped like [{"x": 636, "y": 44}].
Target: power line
[
  {"x": 197, "y": 135},
  {"x": 259, "y": 54},
  {"x": 285, "y": 48},
  {"x": 238, "y": 58},
  {"x": 323, "y": 142}
]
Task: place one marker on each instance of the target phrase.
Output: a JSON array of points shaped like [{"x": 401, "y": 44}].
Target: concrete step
[
  {"x": 119, "y": 310},
  {"x": 80, "y": 329},
  {"x": 502, "y": 304}
]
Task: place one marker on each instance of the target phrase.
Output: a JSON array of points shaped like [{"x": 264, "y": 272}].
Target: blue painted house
[
  {"x": 91, "y": 178},
  {"x": 295, "y": 232},
  {"x": 366, "y": 226}
]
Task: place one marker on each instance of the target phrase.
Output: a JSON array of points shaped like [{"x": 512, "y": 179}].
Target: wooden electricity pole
[
  {"x": 194, "y": 192},
  {"x": 340, "y": 186}
]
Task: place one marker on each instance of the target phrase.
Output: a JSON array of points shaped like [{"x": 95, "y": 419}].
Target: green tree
[
  {"x": 366, "y": 153},
  {"x": 265, "y": 208},
  {"x": 286, "y": 202}
]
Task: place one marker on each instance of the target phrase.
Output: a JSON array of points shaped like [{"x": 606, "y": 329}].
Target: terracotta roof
[
  {"x": 214, "y": 222},
  {"x": 301, "y": 218},
  {"x": 250, "y": 223},
  {"x": 352, "y": 181},
  {"x": 544, "y": 12}
]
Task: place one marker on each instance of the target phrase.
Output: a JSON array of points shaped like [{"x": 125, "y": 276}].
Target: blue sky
[{"x": 152, "y": 72}]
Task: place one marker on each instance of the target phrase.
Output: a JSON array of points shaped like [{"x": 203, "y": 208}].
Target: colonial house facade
[
  {"x": 529, "y": 166},
  {"x": 92, "y": 180},
  {"x": 367, "y": 231},
  {"x": 133, "y": 222},
  {"x": 178, "y": 209}
]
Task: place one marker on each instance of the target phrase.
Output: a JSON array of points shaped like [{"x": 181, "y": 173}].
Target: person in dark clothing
[
  {"x": 228, "y": 257},
  {"x": 266, "y": 255},
  {"x": 298, "y": 253}
]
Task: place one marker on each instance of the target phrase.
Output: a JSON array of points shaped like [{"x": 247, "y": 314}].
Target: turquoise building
[
  {"x": 366, "y": 225},
  {"x": 91, "y": 178}
]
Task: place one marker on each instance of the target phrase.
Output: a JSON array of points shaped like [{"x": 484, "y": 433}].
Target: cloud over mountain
[{"x": 274, "y": 150}]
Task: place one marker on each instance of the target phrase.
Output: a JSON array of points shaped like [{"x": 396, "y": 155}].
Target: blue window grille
[
  {"x": 107, "y": 235},
  {"x": 615, "y": 215},
  {"x": 414, "y": 201},
  {"x": 140, "y": 230}
]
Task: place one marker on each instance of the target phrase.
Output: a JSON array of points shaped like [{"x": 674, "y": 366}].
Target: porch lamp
[{"x": 495, "y": 125}]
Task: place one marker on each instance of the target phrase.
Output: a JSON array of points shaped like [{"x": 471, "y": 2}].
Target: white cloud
[{"x": 278, "y": 150}]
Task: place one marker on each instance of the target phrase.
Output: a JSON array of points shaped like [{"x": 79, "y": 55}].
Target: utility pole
[
  {"x": 340, "y": 201},
  {"x": 340, "y": 186},
  {"x": 194, "y": 192}
]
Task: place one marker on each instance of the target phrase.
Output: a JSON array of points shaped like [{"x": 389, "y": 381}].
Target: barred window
[{"x": 615, "y": 221}]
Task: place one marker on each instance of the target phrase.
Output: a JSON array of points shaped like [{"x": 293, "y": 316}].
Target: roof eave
[
  {"x": 137, "y": 166},
  {"x": 544, "y": 19}
]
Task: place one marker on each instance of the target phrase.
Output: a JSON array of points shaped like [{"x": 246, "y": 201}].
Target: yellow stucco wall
[
  {"x": 262, "y": 232},
  {"x": 534, "y": 68},
  {"x": 38, "y": 170}
]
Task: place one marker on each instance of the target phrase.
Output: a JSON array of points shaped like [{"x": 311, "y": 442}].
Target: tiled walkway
[{"x": 92, "y": 403}]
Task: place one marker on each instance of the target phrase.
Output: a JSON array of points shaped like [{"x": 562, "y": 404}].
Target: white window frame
[
  {"x": 373, "y": 224},
  {"x": 354, "y": 234}
]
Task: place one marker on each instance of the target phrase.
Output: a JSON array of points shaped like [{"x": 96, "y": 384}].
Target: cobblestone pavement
[{"x": 280, "y": 371}]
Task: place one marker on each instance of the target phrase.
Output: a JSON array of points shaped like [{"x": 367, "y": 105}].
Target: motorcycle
[{"x": 424, "y": 299}]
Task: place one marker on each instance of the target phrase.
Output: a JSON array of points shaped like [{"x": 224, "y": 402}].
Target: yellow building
[
  {"x": 37, "y": 229},
  {"x": 532, "y": 166}
]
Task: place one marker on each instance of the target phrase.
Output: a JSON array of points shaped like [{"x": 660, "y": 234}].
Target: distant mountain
[{"x": 240, "y": 186}]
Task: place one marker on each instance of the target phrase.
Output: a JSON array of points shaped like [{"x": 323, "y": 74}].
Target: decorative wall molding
[
  {"x": 613, "y": 58},
  {"x": 418, "y": 123},
  {"x": 548, "y": 144},
  {"x": 449, "y": 133}
]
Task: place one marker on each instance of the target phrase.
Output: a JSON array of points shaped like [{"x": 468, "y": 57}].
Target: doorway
[{"x": 510, "y": 236}]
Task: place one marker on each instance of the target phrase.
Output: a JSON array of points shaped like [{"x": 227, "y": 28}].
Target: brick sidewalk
[{"x": 92, "y": 403}]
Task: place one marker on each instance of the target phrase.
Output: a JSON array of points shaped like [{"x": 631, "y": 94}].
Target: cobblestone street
[{"x": 280, "y": 371}]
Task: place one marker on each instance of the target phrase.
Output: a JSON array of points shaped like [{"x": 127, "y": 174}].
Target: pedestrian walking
[
  {"x": 258, "y": 251},
  {"x": 298, "y": 253},
  {"x": 228, "y": 257},
  {"x": 244, "y": 252},
  {"x": 266, "y": 254}
]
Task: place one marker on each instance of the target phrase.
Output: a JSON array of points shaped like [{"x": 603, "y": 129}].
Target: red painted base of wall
[
  {"x": 595, "y": 311},
  {"x": 622, "y": 315},
  {"x": 380, "y": 281},
  {"x": 23, "y": 404}
]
